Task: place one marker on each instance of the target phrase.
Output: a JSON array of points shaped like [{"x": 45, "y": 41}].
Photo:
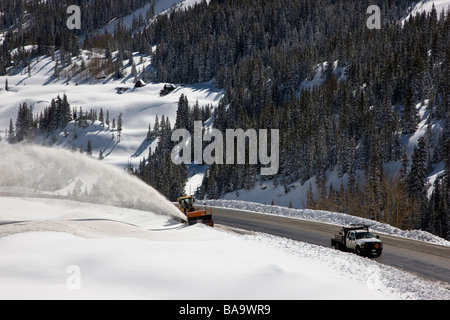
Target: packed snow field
[{"x": 74, "y": 250}]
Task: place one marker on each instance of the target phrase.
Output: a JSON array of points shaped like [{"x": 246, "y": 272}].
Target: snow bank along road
[
  {"x": 422, "y": 258},
  {"x": 65, "y": 249}
]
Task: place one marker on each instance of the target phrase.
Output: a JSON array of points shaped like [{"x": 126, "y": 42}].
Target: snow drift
[
  {"x": 31, "y": 170},
  {"x": 125, "y": 253}
]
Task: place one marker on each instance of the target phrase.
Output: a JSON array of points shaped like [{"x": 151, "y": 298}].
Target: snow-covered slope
[
  {"x": 139, "y": 106},
  {"x": 117, "y": 253},
  {"x": 160, "y": 6},
  {"x": 427, "y": 6}
]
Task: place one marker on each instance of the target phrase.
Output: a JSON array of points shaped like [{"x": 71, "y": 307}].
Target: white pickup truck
[{"x": 359, "y": 239}]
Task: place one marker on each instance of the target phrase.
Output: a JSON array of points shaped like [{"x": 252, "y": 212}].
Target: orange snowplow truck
[{"x": 186, "y": 205}]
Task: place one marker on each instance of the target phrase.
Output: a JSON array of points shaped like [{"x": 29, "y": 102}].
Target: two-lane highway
[{"x": 424, "y": 259}]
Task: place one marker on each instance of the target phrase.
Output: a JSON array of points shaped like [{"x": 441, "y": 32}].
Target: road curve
[{"x": 418, "y": 257}]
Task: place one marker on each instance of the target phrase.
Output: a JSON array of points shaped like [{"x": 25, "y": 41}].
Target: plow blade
[
  {"x": 193, "y": 214},
  {"x": 200, "y": 216}
]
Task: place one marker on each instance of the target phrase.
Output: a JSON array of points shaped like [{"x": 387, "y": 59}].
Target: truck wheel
[
  {"x": 358, "y": 251},
  {"x": 337, "y": 246}
]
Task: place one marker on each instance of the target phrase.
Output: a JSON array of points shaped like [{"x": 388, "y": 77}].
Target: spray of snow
[{"x": 32, "y": 170}]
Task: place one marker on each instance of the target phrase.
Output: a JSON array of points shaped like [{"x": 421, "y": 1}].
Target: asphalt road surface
[{"x": 421, "y": 258}]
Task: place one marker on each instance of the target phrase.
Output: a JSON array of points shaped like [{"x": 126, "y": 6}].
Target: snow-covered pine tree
[
  {"x": 119, "y": 123},
  {"x": 89, "y": 148},
  {"x": 107, "y": 118},
  {"x": 404, "y": 172},
  {"x": 11, "y": 132},
  {"x": 101, "y": 116},
  {"x": 183, "y": 115},
  {"x": 417, "y": 174},
  {"x": 24, "y": 123},
  {"x": 409, "y": 118}
]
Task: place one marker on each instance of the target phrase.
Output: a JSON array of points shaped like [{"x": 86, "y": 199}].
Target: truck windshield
[{"x": 362, "y": 235}]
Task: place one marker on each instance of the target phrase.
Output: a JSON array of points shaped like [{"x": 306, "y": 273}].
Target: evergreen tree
[
  {"x": 417, "y": 179},
  {"x": 183, "y": 116},
  {"x": 438, "y": 209},
  {"x": 24, "y": 123},
  {"x": 11, "y": 133},
  {"x": 89, "y": 148},
  {"x": 108, "y": 51},
  {"x": 101, "y": 116},
  {"x": 156, "y": 127},
  {"x": 409, "y": 117},
  {"x": 134, "y": 71},
  {"x": 107, "y": 118},
  {"x": 417, "y": 175},
  {"x": 66, "y": 114},
  {"x": 119, "y": 122},
  {"x": 404, "y": 168}
]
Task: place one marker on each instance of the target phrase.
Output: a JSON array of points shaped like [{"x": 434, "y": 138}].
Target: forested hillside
[
  {"x": 378, "y": 89},
  {"x": 359, "y": 118},
  {"x": 43, "y": 24}
]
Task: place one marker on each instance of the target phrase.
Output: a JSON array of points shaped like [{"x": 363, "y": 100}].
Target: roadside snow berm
[{"x": 186, "y": 206}]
